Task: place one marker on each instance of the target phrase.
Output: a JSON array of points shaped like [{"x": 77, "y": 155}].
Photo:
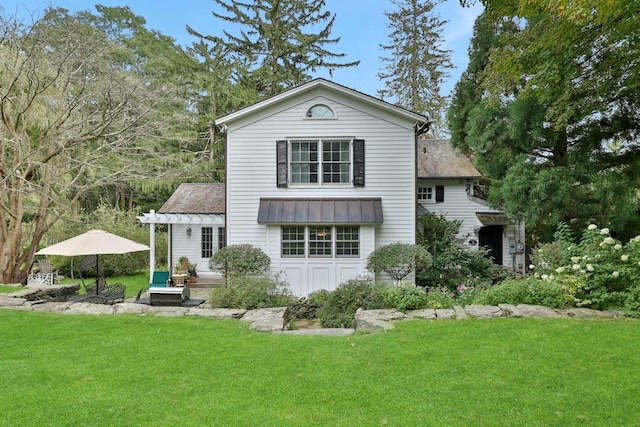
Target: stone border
[
  {"x": 273, "y": 319},
  {"x": 382, "y": 320}
]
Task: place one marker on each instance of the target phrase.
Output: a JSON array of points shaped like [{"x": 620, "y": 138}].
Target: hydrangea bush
[{"x": 609, "y": 269}]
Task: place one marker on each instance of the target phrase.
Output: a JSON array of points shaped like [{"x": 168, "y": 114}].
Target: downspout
[{"x": 420, "y": 128}]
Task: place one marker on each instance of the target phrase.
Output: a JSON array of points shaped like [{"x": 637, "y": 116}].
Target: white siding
[
  {"x": 458, "y": 206},
  {"x": 190, "y": 246},
  {"x": 389, "y": 166}
]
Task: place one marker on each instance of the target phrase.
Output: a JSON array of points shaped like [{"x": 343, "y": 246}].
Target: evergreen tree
[
  {"x": 417, "y": 63},
  {"x": 549, "y": 110},
  {"x": 282, "y": 41}
]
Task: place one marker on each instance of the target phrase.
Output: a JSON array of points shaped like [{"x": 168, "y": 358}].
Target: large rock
[
  {"x": 266, "y": 319},
  {"x": 445, "y": 314},
  {"x": 537, "y": 311},
  {"x": 11, "y": 302},
  {"x": 460, "y": 313},
  {"x": 52, "y": 307},
  {"x": 510, "y": 310},
  {"x": 89, "y": 308},
  {"x": 424, "y": 313},
  {"x": 587, "y": 313},
  {"x": 131, "y": 308},
  {"x": 218, "y": 313},
  {"x": 483, "y": 311},
  {"x": 376, "y": 320}
]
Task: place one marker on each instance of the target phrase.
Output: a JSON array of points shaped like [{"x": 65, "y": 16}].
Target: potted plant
[
  {"x": 184, "y": 263},
  {"x": 191, "y": 269}
]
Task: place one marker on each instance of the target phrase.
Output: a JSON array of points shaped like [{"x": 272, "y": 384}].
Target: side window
[
  {"x": 222, "y": 237},
  {"x": 425, "y": 194},
  {"x": 439, "y": 193}
]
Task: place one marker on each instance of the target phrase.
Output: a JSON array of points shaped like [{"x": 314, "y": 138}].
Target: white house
[
  {"x": 448, "y": 184},
  {"x": 318, "y": 177}
]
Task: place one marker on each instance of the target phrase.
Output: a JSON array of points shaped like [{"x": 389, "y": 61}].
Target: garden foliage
[
  {"x": 251, "y": 293},
  {"x": 454, "y": 265},
  {"x": 606, "y": 272},
  {"x": 240, "y": 260},
  {"x": 398, "y": 260}
]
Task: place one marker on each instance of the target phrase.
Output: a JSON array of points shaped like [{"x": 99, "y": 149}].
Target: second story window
[{"x": 320, "y": 162}]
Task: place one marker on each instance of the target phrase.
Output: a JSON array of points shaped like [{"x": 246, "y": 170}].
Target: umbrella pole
[{"x": 97, "y": 274}]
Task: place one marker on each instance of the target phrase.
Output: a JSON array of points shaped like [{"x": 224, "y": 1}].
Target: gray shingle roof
[
  {"x": 190, "y": 198},
  {"x": 437, "y": 158}
]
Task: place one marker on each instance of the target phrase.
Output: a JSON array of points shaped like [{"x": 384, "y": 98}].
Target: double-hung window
[
  {"x": 321, "y": 161},
  {"x": 321, "y": 242}
]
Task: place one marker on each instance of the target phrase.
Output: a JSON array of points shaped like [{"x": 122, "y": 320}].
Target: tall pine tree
[
  {"x": 282, "y": 42},
  {"x": 417, "y": 63}
]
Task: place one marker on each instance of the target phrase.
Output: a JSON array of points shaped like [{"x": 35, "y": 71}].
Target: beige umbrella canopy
[{"x": 94, "y": 242}]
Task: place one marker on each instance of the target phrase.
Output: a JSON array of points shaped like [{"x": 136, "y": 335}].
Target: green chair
[{"x": 160, "y": 279}]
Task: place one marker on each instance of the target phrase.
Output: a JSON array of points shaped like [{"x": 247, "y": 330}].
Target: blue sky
[{"x": 361, "y": 25}]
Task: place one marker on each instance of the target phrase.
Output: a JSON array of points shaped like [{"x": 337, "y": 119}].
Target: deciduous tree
[{"x": 71, "y": 121}]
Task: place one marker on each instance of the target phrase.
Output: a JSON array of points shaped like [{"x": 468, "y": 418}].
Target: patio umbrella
[{"x": 94, "y": 242}]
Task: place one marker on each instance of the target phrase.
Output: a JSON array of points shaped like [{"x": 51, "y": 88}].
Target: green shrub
[
  {"x": 440, "y": 298},
  {"x": 403, "y": 297},
  {"x": 631, "y": 302},
  {"x": 251, "y": 292},
  {"x": 304, "y": 309},
  {"x": 534, "y": 291},
  {"x": 341, "y": 304},
  {"x": 398, "y": 260},
  {"x": 608, "y": 267},
  {"x": 240, "y": 260},
  {"x": 454, "y": 264}
]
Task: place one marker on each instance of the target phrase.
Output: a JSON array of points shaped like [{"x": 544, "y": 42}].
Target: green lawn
[{"x": 84, "y": 370}]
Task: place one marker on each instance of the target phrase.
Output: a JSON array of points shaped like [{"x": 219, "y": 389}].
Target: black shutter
[
  {"x": 439, "y": 193},
  {"x": 358, "y": 162},
  {"x": 282, "y": 163}
]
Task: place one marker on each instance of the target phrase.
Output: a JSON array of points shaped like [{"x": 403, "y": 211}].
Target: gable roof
[
  {"x": 420, "y": 120},
  {"x": 196, "y": 198},
  {"x": 437, "y": 158}
]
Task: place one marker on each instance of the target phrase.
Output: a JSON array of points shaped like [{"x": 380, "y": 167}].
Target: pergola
[{"x": 152, "y": 218}]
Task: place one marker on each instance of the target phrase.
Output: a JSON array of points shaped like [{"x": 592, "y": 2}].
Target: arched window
[{"x": 320, "y": 111}]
